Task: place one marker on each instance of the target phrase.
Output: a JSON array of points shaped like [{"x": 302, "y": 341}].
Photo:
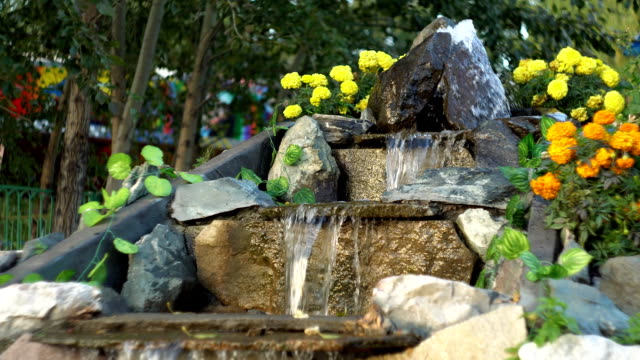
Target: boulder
[
  {"x": 469, "y": 186},
  {"x": 424, "y": 304},
  {"x": 26, "y": 307},
  {"x": 579, "y": 347},
  {"x": 24, "y": 348},
  {"x": 479, "y": 228},
  {"x": 316, "y": 169},
  {"x": 340, "y": 130},
  {"x": 595, "y": 313},
  {"x": 523, "y": 125},
  {"x": 621, "y": 282},
  {"x": 160, "y": 271},
  {"x": 428, "y": 31},
  {"x": 495, "y": 144},
  {"x": 9, "y": 258},
  {"x": 208, "y": 198},
  {"x": 40, "y": 245}
]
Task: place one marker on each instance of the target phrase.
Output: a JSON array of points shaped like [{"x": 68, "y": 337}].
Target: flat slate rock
[
  {"x": 208, "y": 198},
  {"x": 340, "y": 130},
  {"x": 454, "y": 185}
]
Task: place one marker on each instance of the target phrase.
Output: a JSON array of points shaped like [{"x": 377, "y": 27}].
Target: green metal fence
[{"x": 26, "y": 213}]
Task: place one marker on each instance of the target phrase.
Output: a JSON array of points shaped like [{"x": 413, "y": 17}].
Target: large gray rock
[
  {"x": 621, "y": 282},
  {"x": 40, "y": 245},
  {"x": 24, "y": 348},
  {"x": 485, "y": 336},
  {"x": 523, "y": 125},
  {"x": 428, "y": 31},
  {"x": 340, "y": 130},
  {"x": 25, "y": 307},
  {"x": 473, "y": 93},
  {"x": 595, "y": 313},
  {"x": 495, "y": 144},
  {"x": 468, "y": 186},
  {"x": 8, "y": 259},
  {"x": 159, "y": 272},
  {"x": 579, "y": 347},
  {"x": 316, "y": 169},
  {"x": 545, "y": 242},
  {"x": 208, "y": 198},
  {"x": 479, "y": 228},
  {"x": 423, "y": 304},
  {"x": 135, "y": 181}
]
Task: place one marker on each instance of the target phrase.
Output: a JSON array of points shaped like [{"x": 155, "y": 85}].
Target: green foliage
[
  {"x": 292, "y": 155},
  {"x": 277, "y": 187},
  {"x": 65, "y": 275},
  {"x": 519, "y": 177},
  {"x": 31, "y": 278},
  {"x": 548, "y": 321},
  {"x": 5, "y": 278},
  {"x": 574, "y": 260},
  {"x": 116, "y": 200},
  {"x": 545, "y": 123},
  {"x": 631, "y": 73},
  {"x": 98, "y": 275},
  {"x": 512, "y": 243},
  {"x": 529, "y": 152},
  {"x": 152, "y": 155},
  {"x": 124, "y": 246},
  {"x": 119, "y": 165},
  {"x": 630, "y": 336},
  {"x": 248, "y": 174},
  {"x": 516, "y": 211},
  {"x": 191, "y": 178},
  {"x": 157, "y": 186},
  {"x": 90, "y": 213},
  {"x": 304, "y": 196}
]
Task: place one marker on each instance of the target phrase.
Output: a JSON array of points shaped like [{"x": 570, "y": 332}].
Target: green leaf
[
  {"x": 31, "y": 278},
  {"x": 5, "y": 278},
  {"x": 124, "y": 246},
  {"x": 157, "y": 186},
  {"x": 532, "y": 276},
  {"x": 277, "y": 187},
  {"x": 202, "y": 336},
  {"x": 492, "y": 250},
  {"x": 512, "y": 244},
  {"x": 91, "y": 205},
  {"x": 525, "y": 149},
  {"x": 557, "y": 271},
  {"x": 545, "y": 123},
  {"x": 153, "y": 155},
  {"x": 292, "y": 155},
  {"x": 92, "y": 217},
  {"x": 529, "y": 259},
  {"x": 304, "y": 196},
  {"x": 65, "y": 275},
  {"x": 117, "y": 199},
  {"x": 192, "y": 178},
  {"x": 512, "y": 208},
  {"x": 169, "y": 171},
  {"x": 575, "y": 260},
  {"x": 327, "y": 336},
  {"x": 519, "y": 177},
  {"x": 98, "y": 274},
  {"x": 119, "y": 166},
  {"x": 248, "y": 174}
]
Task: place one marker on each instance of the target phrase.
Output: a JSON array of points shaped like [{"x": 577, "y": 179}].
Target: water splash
[
  {"x": 355, "y": 226},
  {"x": 132, "y": 351},
  {"x": 409, "y": 154}
]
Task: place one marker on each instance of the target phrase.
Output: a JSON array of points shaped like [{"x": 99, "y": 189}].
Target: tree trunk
[
  {"x": 121, "y": 142},
  {"x": 195, "y": 91},
  {"x": 48, "y": 168},
  {"x": 73, "y": 170},
  {"x": 118, "y": 81}
]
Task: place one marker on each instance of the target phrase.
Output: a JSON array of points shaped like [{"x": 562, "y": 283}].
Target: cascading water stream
[{"x": 409, "y": 154}]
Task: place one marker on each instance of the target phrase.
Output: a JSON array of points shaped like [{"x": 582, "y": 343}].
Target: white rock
[
  {"x": 24, "y": 307},
  {"x": 579, "y": 347},
  {"x": 479, "y": 228}
]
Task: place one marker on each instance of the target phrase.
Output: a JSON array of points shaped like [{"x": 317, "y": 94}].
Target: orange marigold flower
[
  {"x": 588, "y": 170},
  {"x": 562, "y": 151},
  {"x": 625, "y": 162},
  {"x": 604, "y": 117},
  {"x": 617, "y": 170},
  {"x": 635, "y": 151},
  {"x": 561, "y": 130},
  {"x": 621, "y": 141},
  {"x": 546, "y": 186},
  {"x": 629, "y": 127},
  {"x": 594, "y": 131},
  {"x": 603, "y": 157}
]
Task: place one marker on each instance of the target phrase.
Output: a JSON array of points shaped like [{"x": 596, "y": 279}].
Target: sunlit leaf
[
  {"x": 92, "y": 217},
  {"x": 192, "y": 178},
  {"x": 292, "y": 155},
  {"x": 98, "y": 274},
  {"x": 152, "y": 154},
  {"x": 124, "y": 246},
  {"x": 278, "y": 187},
  {"x": 512, "y": 244},
  {"x": 65, "y": 275},
  {"x": 157, "y": 186},
  {"x": 119, "y": 165},
  {"x": 529, "y": 259},
  {"x": 31, "y": 278},
  {"x": 575, "y": 260},
  {"x": 117, "y": 199},
  {"x": 304, "y": 196},
  {"x": 5, "y": 278},
  {"x": 327, "y": 336},
  {"x": 91, "y": 205},
  {"x": 248, "y": 174},
  {"x": 545, "y": 123}
]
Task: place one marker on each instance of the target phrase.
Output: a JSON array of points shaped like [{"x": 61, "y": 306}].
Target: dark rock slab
[
  {"x": 8, "y": 259},
  {"x": 40, "y": 245},
  {"x": 545, "y": 243},
  {"x": 159, "y": 272},
  {"x": 340, "y": 130},
  {"x": 495, "y": 144},
  {"x": 470, "y": 186},
  {"x": 139, "y": 218},
  {"x": 361, "y": 209}
]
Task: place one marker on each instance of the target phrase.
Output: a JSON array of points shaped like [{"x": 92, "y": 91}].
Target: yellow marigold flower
[
  {"x": 538, "y": 100},
  {"x": 595, "y": 101},
  {"x": 604, "y": 117},
  {"x": 291, "y": 81},
  {"x": 635, "y": 151},
  {"x": 629, "y": 127},
  {"x": 614, "y": 102},
  {"x": 561, "y": 130},
  {"x": 553, "y": 65},
  {"x": 586, "y": 66},
  {"x": 349, "y": 99},
  {"x": 523, "y": 62},
  {"x": 546, "y": 186},
  {"x": 292, "y": 111},
  {"x": 562, "y": 76},
  {"x": 610, "y": 77},
  {"x": 587, "y": 170},
  {"x": 341, "y": 73},
  {"x": 621, "y": 140},
  {"x": 562, "y": 151},
  {"x": 603, "y": 157},
  {"x": 536, "y": 67},
  {"x": 362, "y": 104},
  {"x": 625, "y": 162},
  {"x": 569, "y": 56},
  {"x": 580, "y": 114},
  {"x": 521, "y": 75},
  {"x": 321, "y": 92},
  {"x": 306, "y": 78},
  {"x": 594, "y": 131},
  {"x": 343, "y": 110},
  {"x": 349, "y": 87},
  {"x": 315, "y": 101},
  {"x": 384, "y": 60},
  {"x": 564, "y": 68},
  {"x": 368, "y": 61},
  {"x": 318, "y": 80},
  {"x": 558, "y": 89}
]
